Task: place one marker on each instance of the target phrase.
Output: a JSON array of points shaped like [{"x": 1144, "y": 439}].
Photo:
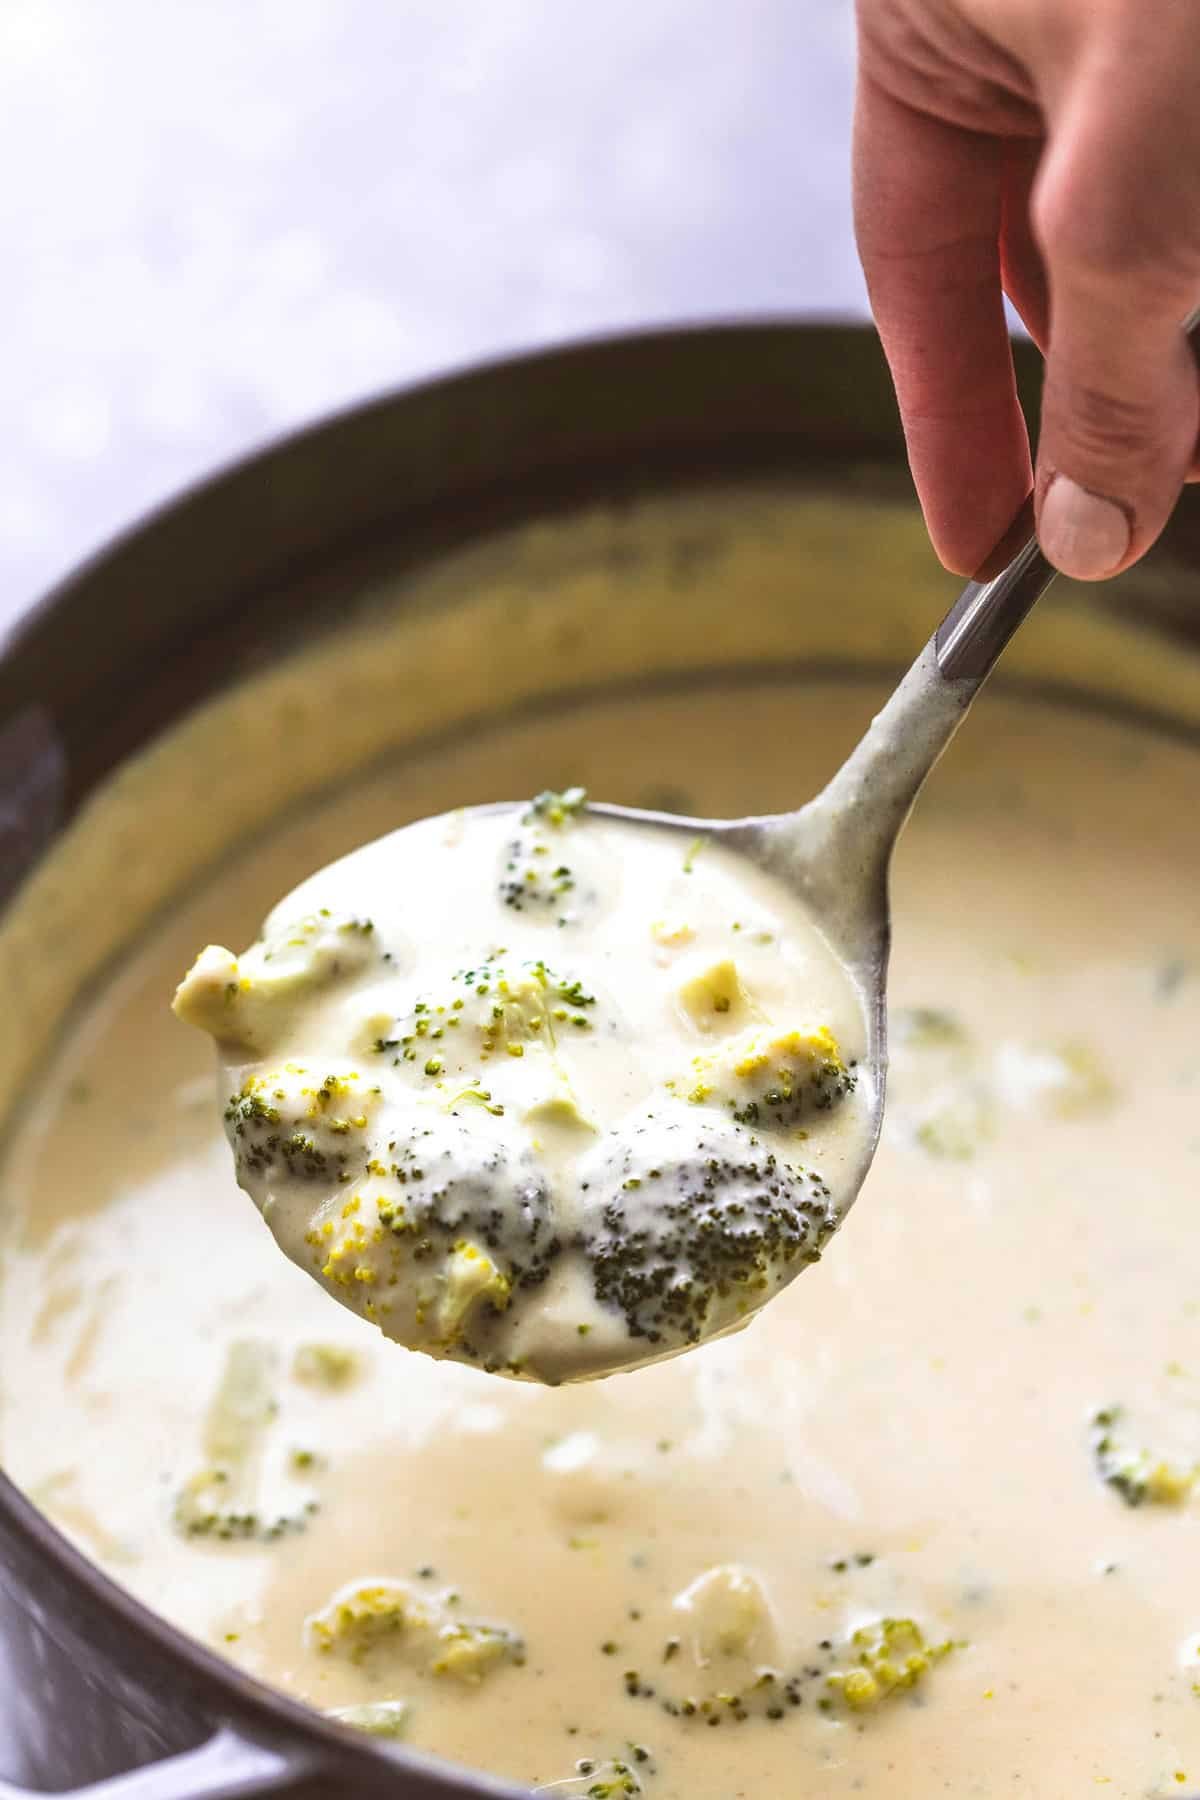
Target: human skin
[{"x": 1048, "y": 150}]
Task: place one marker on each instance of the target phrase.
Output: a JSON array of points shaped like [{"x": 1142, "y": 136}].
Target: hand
[{"x": 1049, "y": 149}]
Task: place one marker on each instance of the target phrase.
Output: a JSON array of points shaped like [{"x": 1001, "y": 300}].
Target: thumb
[{"x": 1116, "y": 211}]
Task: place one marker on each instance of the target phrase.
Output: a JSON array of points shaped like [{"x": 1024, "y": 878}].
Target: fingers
[
  {"x": 1116, "y": 213},
  {"x": 927, "y": 204},
  {"x": 1022, "y": 270}
]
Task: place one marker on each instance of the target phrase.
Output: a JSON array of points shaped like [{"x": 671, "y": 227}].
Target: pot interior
[{"x": 716, "y": 647}]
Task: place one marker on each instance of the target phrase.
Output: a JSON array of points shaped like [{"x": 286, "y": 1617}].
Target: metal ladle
[
  {"x": 835, "y": 853},
  {"x": 833, "y": 856}
]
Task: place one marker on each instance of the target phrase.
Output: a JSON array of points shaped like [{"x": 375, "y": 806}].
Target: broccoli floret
[
  {"x": 438, "y": 1240},
  {"x": 684, "y": 1241},
  {"x": 950, "y": 1096},
  {"x": 221, "y": 1500},
  {"x": 446, "y": 1186},
  {"x": 1136, "y": 1475},
  {"x": 488, "y": 1011},
  {"x": 207, "y": 1507},
  {"x": 362, "y": 1617},
  {"x": 472, "y": 1278},
  {"x": 467, "y": 1652},
  {"x": 422, "y": 1629},
  {"x": 554, "y": 808},
  {"x": 534, "y": 875},
  {"x": 298, "y": 1121},
  {"x": 883, "y": 1658},
  {"x": 251, "y": 1000},
  {"x": 767, "y": 1081},
  {"x": 955, "y": 1125},
  {"x": 939, "y": 1094}
]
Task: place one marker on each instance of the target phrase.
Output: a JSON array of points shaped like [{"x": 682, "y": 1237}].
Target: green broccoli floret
[
  {"x": 221, "y": 1500},
  {"x": 364, "y": 1619},
  {"x": 449, "y": 1186},
  {"x": 301, "y": 1122},
  {"x": 468, "y": 1651},
  {"x": 779, "y": 1079},
  {"x": 938, "y": 1090},
  {"x": 206, "y": 1508},
  {"x": 254, "y": 999},
  {"x": 534, "y": 874},
  {"x": 954, "y": 1127},
  {"x": 692, "y": 1241},
  {"x": 881, "y": 1659},
  {"x": 438, "y": 1239},
  {"x": 490, "y": 1010},
  {"x": 1136, "y": 1475}
]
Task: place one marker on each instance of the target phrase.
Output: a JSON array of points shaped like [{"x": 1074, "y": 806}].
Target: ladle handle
[
  {"x": 891, "y": 762},
  {"x": 861, "y": 812},
  {"x": 992, "y": 605}
]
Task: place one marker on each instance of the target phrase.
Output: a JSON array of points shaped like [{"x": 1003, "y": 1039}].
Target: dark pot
[{"x": 95, "y": 1688}]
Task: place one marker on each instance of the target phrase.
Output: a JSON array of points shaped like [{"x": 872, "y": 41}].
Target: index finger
[{"x": 927, "y": 208}]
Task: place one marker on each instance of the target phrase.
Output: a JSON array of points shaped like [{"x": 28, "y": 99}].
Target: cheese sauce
[{"x": 926, "y": 1526}]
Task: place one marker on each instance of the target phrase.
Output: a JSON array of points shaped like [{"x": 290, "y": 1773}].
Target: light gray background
[{"x": 221, "y": 217}]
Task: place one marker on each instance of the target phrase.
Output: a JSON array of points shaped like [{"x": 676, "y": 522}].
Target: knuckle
[{"x": 1104, "y": 236}]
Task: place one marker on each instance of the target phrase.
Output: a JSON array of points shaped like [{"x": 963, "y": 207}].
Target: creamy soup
[
  {"x": 926, "y": 1526},
  {"x": 545, "y": 1091}
]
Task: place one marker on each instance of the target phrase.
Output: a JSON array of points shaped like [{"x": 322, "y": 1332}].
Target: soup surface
[{"x": 925, "y": 1526}]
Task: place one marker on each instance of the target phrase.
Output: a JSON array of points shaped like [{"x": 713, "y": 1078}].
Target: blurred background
[{"x": 220, "y": 218}]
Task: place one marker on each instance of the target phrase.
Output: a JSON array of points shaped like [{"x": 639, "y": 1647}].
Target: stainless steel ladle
[{"x": 835, "y": 853}]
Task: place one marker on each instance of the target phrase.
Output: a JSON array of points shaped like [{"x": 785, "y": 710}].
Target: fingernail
[{"x": 1082, "y": 534}]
